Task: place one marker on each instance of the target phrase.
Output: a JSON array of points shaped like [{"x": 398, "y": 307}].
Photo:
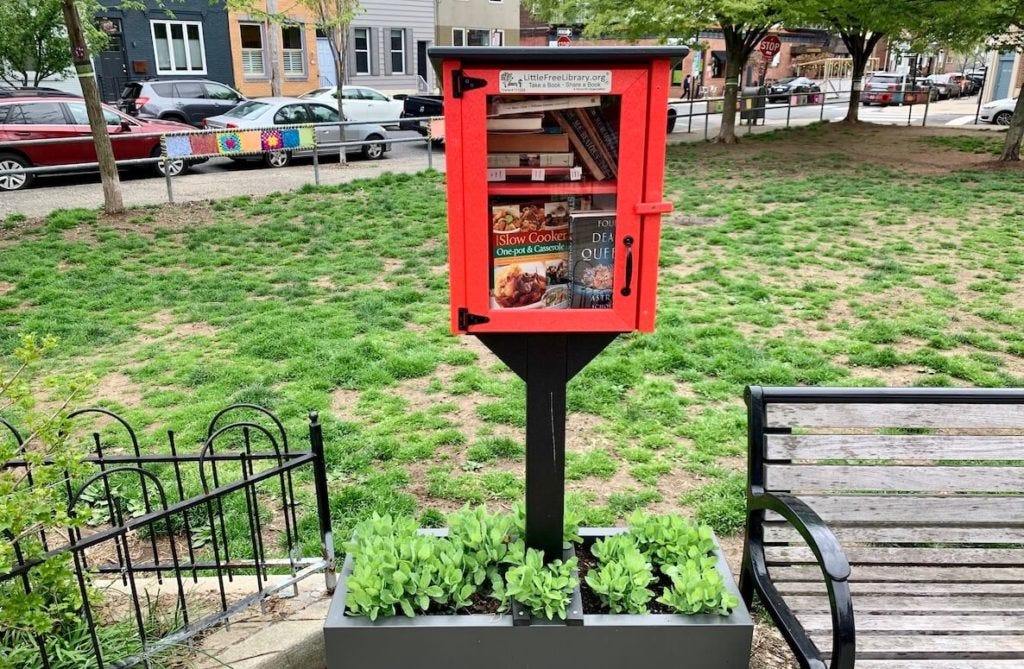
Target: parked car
[
  {"x": 948, "y": 85},
  {"x": 999, "y": 112},
  {"x": 359, "y": 103},
  {"x": 783, "y": 88},
  {"x": 888, "y": 88},
  {"x": 183, "y": 100},
  {"x": 57, "y": 117},
  {"x": 268, "y": 112},
  {"x": 418, "y": 106}
]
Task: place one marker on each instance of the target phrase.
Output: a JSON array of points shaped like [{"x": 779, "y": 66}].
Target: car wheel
[
  {"x": 1003, "y": 118},
  {"x": 373, "y": 151},
  {"x": 277, "y": 159},
  {"x": 174, "y": 167},
  {"x": 11, "y": 161}
]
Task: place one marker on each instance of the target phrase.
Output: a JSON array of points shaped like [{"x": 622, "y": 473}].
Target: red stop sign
[
  {"x": 563, "y": 40},
  {"x": 770, "y": 46}
]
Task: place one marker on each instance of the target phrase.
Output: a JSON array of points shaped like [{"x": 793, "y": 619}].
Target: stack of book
[{"x": 550, "y": 133}]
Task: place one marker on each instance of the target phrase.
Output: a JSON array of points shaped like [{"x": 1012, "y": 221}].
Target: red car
[{"x": 27, "y": 118}]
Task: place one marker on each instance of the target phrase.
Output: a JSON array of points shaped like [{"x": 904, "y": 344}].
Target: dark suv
[{"x": 183, "y": 100}]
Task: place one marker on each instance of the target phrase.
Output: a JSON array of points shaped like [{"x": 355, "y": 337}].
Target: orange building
[{"x": 280, "y": 54}]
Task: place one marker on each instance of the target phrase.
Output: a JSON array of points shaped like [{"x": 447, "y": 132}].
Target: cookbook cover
[{"x": 530, "y": 255}]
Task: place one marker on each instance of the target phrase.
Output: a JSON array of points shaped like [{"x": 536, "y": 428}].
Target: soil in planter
[
  {"x": 593, "y": 604},
  {"x": 479, "y": 604}
]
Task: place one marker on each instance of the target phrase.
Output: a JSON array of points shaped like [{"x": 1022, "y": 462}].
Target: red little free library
[{"x": 555, "y": 167}]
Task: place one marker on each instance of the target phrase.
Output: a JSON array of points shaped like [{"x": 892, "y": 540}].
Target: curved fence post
[{"x": 323, "y": 506}]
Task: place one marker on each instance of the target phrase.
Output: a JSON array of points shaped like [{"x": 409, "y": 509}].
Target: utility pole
[
  {"x": 273, "y": 32},
  {"x": 112, "y": 200}
]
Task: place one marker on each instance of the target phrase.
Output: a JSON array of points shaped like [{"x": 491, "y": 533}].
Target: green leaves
[
  {"x": 543, "y": 589},
  {"x": 697, "y": 587},
  {"x": 622, "y": 579},
  {"x": 670, "y": 539}
]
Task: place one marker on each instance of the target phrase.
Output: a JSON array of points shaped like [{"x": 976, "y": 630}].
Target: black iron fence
[{"x": 173, "y": 543}]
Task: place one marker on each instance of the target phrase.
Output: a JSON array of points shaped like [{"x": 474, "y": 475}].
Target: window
[
  {"x": 179, "y": 47},
  {"x": 397, "y": 51},
  {"x": 81, "y": 117},
  {"x": 473, "y": 37},
  {"x": 361, "y": 45},
  {"x": 192, "y": 90},
  {"x": 252, "y": 49},
  {"x": 291, "y": 51},
  {"x": 41, "y": 113},
  {"x": 218, "y": 92},
  {"x": 291, "y": 114},
  {"x": 323, "y": 114},
  {"x": 458, "y": 37}
]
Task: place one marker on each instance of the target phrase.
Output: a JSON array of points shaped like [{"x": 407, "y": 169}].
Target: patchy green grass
[{"x": 786, "y": 263}]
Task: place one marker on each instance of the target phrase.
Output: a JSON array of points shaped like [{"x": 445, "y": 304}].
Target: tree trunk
[
  {"x": 860, "y": 61},
  {"x": 338, "y": 46},
  {"x": 112, "y": 200},
  {"x": 1014, "y": 134}
]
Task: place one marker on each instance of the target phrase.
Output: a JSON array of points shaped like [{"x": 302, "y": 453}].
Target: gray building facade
[
  {"x": 387, "y": 46},
  {"x": 189, "y": 42}
]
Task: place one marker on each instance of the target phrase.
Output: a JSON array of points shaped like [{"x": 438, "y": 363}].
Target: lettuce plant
[
  {"x": 697, "y": 587},
  {"x": 488, "y": 543},
  {"x": 668, "y": 539},
  {"x": 543, "y": 589},
  {"x": 622, "y": 579}
]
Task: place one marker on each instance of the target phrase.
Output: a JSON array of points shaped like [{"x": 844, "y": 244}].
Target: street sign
[
  {"x": 770, "y": 46},
  {"x": 563, "y": 40}
]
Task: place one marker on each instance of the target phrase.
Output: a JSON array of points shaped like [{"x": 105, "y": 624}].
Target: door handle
[{"x": 628, "y": 243}]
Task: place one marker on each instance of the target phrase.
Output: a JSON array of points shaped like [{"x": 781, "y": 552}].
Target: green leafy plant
[
  {"x": 621, "y": 582},
  {"x": 697, "y": 587},
  {"x": 670, "y": 539},
  {"x": 572, "y": 518},
  {"x": 487, "y": 541},
  {"x": 543, "y": 589}
]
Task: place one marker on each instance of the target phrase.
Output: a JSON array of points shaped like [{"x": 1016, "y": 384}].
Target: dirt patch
[
  {"x": 6, "y": 287},
  {"x": 343, "y": 404},
  {"x": 118, "y": 388},
  {"x": 325, "y": 283}
]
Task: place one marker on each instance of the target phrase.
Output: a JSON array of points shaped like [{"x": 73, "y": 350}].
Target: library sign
[{"x": 554, "y": 81}]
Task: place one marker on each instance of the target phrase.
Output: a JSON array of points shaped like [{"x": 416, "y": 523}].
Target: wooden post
[{"x": 112, "y": 200}]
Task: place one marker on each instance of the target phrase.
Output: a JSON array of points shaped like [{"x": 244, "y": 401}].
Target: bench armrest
[{"x": 834, "y": 568}]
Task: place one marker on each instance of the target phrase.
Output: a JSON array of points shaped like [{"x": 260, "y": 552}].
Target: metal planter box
[{"x": 603, "y": 641}]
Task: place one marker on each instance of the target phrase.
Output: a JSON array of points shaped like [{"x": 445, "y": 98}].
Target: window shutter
[
  {"x": 410, "y": 68},
  {"x": 387, "y": 51},
  {"x": 374, "y": 51},
  {"x": 349, "y": 57}
]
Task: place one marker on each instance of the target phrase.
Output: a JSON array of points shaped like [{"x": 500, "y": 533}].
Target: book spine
[
  {"x": 585, "y": 155},
  {"x": 602, "y": 148},
  {"x": 530, "y": 159},
  {"x": 526, "y": 142},
  {"x": 502, "y": 108},
  {"x": 588, "y": 141},
  {"x": 608, "y": 134}
]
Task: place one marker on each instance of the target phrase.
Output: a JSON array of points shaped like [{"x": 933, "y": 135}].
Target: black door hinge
[
  {"x": 461, "y": 83},
  {"x": 466, "y": 319}
]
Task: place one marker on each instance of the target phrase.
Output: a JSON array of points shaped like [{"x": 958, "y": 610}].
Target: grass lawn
[{"x": 820, "y": 256}]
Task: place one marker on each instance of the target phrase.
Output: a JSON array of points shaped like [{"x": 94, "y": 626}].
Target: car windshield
[
  {"x": 885, "y": 80},
  {"x": 316, "y": 93},
  {"x": 250, "y": 109}
]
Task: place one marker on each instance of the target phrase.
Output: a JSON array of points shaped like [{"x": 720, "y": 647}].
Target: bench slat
[
  {"x": 891, "y": 415},
  {"x": 1006, "y": 557},
  {"x": 894, "y": 534},
  {"x": 923, "y": 624},
  {"x": 827, "y": 478},
  {"x": 938, "y": 664},
  {"x": 922, "y": 589},
  {"x": 930, "y": 574},
  {"x": 906, "y": 603},
  {"x": 894, "y": 447},
  {"x": 931, "y": 646},
  {"x": 902, "y": 509}
]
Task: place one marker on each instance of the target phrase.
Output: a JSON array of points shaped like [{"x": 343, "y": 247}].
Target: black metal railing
[{"x": 196, "y": 528}]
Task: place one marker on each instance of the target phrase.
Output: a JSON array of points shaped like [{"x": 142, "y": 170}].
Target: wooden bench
[{"x": 924, "y": 491}]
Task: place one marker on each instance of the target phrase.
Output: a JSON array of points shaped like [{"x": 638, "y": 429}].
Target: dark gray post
[{"x": 323, "y": 507}]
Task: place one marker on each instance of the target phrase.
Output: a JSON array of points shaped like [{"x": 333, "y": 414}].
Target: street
[{"x": 222, "y": 177}]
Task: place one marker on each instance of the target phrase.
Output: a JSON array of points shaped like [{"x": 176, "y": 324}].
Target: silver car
[{"x": 268, "y": 112}]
